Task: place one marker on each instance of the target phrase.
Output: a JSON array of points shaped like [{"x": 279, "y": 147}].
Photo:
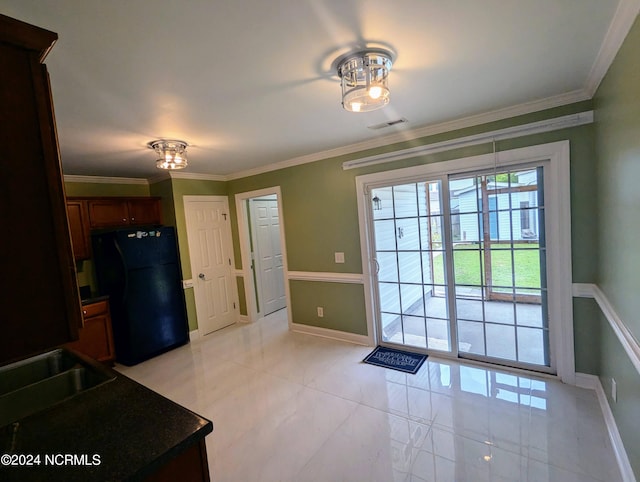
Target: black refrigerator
[{"x": 139, "y": 270}]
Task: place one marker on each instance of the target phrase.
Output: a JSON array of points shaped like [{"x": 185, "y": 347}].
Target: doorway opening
[{"x": 263, "y": 252}]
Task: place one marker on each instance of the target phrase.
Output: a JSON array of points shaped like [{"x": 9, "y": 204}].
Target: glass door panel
[
  {"x": 412, "y": 289},
  {"x": 499, "y": 266}
]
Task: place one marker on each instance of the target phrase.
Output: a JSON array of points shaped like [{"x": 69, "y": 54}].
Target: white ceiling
[{"x": 248, "y": 82}]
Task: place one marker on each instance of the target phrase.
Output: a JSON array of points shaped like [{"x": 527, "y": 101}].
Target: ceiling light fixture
[
  {"x": 365, "y": 79},
  {"x": 171, "y": 153}
]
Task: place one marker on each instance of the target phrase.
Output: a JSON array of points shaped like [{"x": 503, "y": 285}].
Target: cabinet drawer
[{"x": 95, "y": 309}]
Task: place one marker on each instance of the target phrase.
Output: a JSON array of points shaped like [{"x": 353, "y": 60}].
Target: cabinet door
[
  {"x": 96, "y": 336},
  {"x": 39, "y": 299},
  {"x": 79, "y": 227},
  {"x": 105, "y": 213},
  {"x": 96, "y": 339},
  {"x": 144, "y": 211}
]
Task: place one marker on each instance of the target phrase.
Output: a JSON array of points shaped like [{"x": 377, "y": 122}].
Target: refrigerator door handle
[{"x": 125, "y": 289}]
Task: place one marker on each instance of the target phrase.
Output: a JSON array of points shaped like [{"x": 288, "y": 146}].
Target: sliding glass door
[{"x": 461, "y": 265}]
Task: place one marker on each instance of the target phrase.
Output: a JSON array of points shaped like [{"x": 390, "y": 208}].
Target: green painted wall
[
  {"x": 164, "y": 189},
  {"x": 343, "y": 305},
  {"x": 617, "y": 130},
  {"x": 320, "y": 216},
  {"x": 82, "y": 189}
]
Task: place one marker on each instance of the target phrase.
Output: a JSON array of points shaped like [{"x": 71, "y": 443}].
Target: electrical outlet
[
  {"x": 339, "y": 257},
  {"x": 320, "y": 312},
  {"x": 614, "y": 390}
]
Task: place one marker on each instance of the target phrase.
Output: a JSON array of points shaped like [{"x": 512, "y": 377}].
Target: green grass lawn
[{"x": 468, "y": 259}]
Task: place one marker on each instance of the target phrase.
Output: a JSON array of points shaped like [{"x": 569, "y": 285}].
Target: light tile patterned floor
[{"x": 293, "y": 407}]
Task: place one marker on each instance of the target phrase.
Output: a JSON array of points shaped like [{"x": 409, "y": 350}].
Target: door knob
[{"x": 201, "y": 276}]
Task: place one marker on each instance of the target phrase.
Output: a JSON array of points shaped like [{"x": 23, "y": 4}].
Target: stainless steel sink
[{"x": 35, "y": 384}]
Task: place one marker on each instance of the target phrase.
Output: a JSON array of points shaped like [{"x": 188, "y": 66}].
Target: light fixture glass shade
[
  {"x": 365, "y": 80},
  {"x": 171, "y": 154}
]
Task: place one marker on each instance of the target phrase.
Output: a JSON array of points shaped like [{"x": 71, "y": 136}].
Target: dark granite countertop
[
  {"x": 131, "y": 429},
  {"x": 94, "y": 299}
]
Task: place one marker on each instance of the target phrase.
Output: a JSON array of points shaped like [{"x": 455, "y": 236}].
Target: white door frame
[
  {"x": 227, "y": 240},
  {"x": 245, "y": 250},
  {"x": 557, "y": 191}
]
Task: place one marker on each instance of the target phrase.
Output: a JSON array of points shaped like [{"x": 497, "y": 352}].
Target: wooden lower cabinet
[
  {"x": 96, "y": 335},
  {"x": 190, "y": 466}
]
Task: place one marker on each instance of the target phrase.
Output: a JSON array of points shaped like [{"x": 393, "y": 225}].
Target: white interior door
[
  {"x": 208, "y": 232},
  {"x": 267, "y": 254}
]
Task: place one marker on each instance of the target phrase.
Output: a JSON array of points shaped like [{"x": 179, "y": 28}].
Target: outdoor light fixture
[
  {"x": 377, "y": 203},
  {"x": 365, "y": 79},
  {"x": 171, "y": 153}
]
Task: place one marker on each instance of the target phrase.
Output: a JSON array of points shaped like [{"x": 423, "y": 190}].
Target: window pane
[
  {"x": 527, "y": 267},
  {"x": 501, "y": 341},
  {"x": 385, "y": 235},
  {"x": 388, "y": 266},
  {"x": 530, "y": 343},
  {"x": 410, "y": 268},
  {"x": 438, "y": 334},
  {"x": 404, "y": 201},
  {"x": 469, "y": 309},
  {"x": 414, "y": 331},
  {"x": 529, "y": 314},
  {"x": 389, "y": 297},
  {"x": 469, "y": 227},
  {"x": 467, "y": 266},
  {"x": 391, "y": 327},
  {"x": 407, "y": 234},
  {"x": 471, "y": 337},
  {"x": 385, "y": 203},
  {"x": 411, "y": 296},
  {"x": 499, "y": 312}
]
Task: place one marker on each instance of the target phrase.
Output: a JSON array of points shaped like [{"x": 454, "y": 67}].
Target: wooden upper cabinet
[
  {"x": 118, "y": 212},
  {"x": 144, "y": 211},
  {"x": 79, "y": 228},
  {"x": 40, "y": 301},
  {"x": 108, "y": 212}
]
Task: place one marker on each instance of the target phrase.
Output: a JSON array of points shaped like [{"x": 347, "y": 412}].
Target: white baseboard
[
  {"x": 244, "y": 319},
  {"x": 328, "y": 333},
  {"x": 592, "y": 382},
  {"x": 194, "y": 335}
]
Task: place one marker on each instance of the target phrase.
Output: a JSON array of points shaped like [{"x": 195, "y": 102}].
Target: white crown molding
[
  {"x": 197, "y": 177},
  {"x": 105, "y": 180},
  {"x": 622, "y": 22},
  {"x": 161, "y": 176},
  {"x": 406, "y": 135}
]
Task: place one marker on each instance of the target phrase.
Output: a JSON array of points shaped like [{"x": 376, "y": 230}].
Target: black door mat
[{"x": 400, "y": 360}]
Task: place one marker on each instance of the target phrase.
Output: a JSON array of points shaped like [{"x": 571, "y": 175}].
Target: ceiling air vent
[{"x": 384, "y": 125}]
